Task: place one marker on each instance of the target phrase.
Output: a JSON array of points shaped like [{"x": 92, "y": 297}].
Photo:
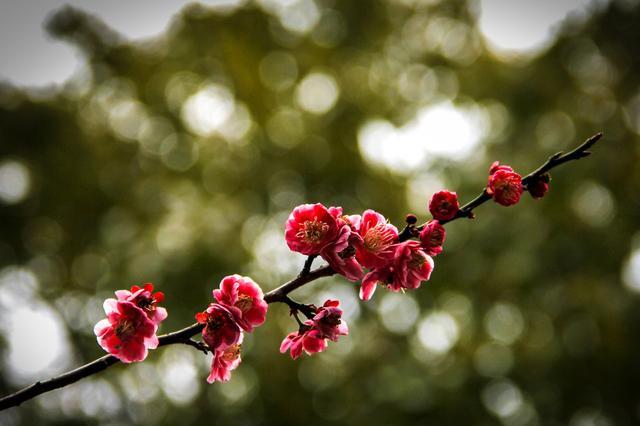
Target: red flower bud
[
  {"x": 505, "y": 185},
  {"x": 432, "y": 238},
  {"x": 538, "y": 187},
  {"x": 444, "y": 205}
]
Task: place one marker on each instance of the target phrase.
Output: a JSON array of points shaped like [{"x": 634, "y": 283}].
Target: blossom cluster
[
  {"x": 352, "y": 243},
  {"x": 130, "y": 328},
  {"x": 362, "y": 247},
  {"x": 326, "y": 324},
  {"x": 240, "y": 307}
]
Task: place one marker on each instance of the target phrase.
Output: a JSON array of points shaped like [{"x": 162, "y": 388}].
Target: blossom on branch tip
[
  {"x": 244, "y": 299},
  {"x": 127, "y": 333},
  {"x": 224, "y": 362},
  {"x": 505, "y": 185},
  {"x": 145, "y": 299},
  {"x": 444, "y": 205},
  {"x": 220, "y": 327},
  {"x": 310, "y": 227},
  {"x": 432, "y": 237},
  {"x": 539, "y": 186}
]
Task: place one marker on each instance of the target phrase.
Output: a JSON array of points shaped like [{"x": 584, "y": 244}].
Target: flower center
[
  {"x": 436, "y": 238},
  {"x": 348, "y": 252},
  {"x": 215, "y": 321},
  {"x": 507, "y": 188},
  {"x": 377, "y": 238},
  {"x": 444, "y": 206},
  {"x": 416, "y": 260},
  {"x": 244, "y": 302},
  {"x": 146, "y": 303},
  {"x": 124, "y": 329},
  {"x": 313, "y": 231},
  {"x": 332, "y": 320},
  {"x": 231, "y": 353}
]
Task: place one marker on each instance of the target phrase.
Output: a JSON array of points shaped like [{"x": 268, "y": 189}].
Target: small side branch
[
  {"x": 560, "y": 158},
  {"x": 553, "y": 161},
  {"x": 307, "y": 265},
  {"x": 309, "y": 311},
  {"x": 410, "y": 230},
  {"x": 467, "y": 209},
  {"x": 278, "y": 294},
  {"x": 198, "y": 345}
]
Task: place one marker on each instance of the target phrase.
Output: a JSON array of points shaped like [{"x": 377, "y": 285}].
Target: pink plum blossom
[
  {"x": 327, "y": 324},
  {"x": 145, "y": 299},
  {"x": 410, "y": 266},
  {"x": 127, "y": 333},
  {"x": 310, "y": 227},
  {"x": 505, "y": 185},
  {"x": 328, "y": 321},
  {"x": 444, "y": 205},
  {"x": 224, "y": 362},
  {"x": 340, "y": 254},
  {"x": 308, "y": 340},
  {"x": 220, "y": 327},
  {"x": 372, "y": 279},
  {"x": 496, "y": 166},
  {"x": 432, "y": 237},
  {"x": 378, "y": 237},
  {"x": 244, "y": 299}
]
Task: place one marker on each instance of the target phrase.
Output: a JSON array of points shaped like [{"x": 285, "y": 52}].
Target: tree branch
[
  {"x": 558, "y": 158},
  {"x": 201, "y": 346},
  {"x": 554, "y": 161},
  {"x": 307, "y": 265},
  {"x": 181, "y": 336},
  {"x": 279, "y": 294}
]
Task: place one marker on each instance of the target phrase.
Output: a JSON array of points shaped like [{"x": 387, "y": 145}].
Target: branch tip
[{"x": 556, "y": 156}]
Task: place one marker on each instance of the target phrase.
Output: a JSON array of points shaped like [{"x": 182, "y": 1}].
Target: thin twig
[
  {"x": 309, "y": 311},
  {"x": 553, "y": 161},
  {"x": 410, "y": 229},
  {"x": 558, "y": 158},
  {"x": 307, "y": 265},
  {"x": 201, "y": 346}
]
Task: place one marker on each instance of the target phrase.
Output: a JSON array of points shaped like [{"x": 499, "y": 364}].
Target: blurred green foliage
[{"x": 176, "y": 160}]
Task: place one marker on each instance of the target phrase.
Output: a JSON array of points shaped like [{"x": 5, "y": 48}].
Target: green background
[{"x": 530, "y": 317}]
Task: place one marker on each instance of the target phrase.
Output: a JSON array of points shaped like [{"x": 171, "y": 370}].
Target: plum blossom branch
[
  {"x": 554, "y": 161},
  {"x": 560, "y": 158},
  {"x": 183, "y": 336},
  {"x": 505, "y": 187}
]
